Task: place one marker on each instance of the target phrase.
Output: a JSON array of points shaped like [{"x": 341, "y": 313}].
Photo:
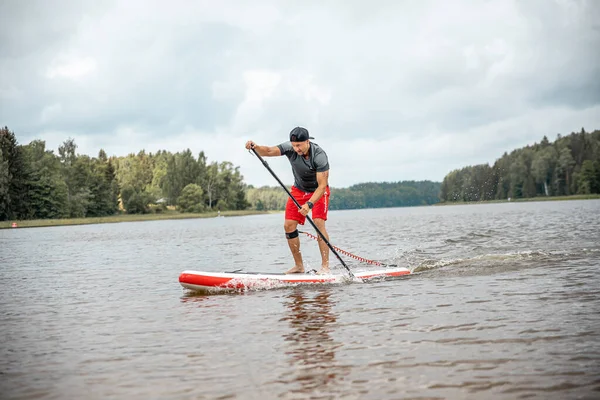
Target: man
[{"x": 311, "y": 189}]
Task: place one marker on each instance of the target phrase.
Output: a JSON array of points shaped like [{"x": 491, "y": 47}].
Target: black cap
[{"x": 299, "y": 134}]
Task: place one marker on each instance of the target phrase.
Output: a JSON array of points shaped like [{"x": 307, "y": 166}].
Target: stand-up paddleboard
[{"x": 238, "y": 280}]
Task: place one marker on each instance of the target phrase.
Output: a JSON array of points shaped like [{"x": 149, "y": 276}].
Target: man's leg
[
  {"x": 323, "y": 248},
  {"x": 290, "y": 226}
]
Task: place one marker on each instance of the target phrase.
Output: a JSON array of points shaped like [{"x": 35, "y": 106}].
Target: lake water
[{"x": 504, "y": 304}]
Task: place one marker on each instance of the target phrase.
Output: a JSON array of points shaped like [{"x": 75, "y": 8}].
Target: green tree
[
  {"x": 191, "y": 199},
  {"x": 542, "y": 169},
  {"x": 502, "y": 172},
  {"x": 588, "y": 178},
  {"x": 14, "y": 202},
  {"x": 101, "y": 183},
  {"x": 386, "y": 194},
  {"x": 211, "y": 183},
  {"x": 564, "y": 170},
  {"x": 158, "y": 174},
  {"x": 229, "y": 188},
  {"x": 451, "y": 187},
  {"x": 102, "y": 156},
  {"x": 75, "y": 174},
  {"x": 597, "y": 180},
  {"x": 113, "y": 194},
  {"x": 135, "y": 170},
  {"x": 47, "y": 190},
  {"x": 134, "y": 201},
  {"x": 4, "y": 184},
  {"x": 182, "y": 169},
  {"x": 266, "y": 198},
  {"x": 543, "y": 166}
]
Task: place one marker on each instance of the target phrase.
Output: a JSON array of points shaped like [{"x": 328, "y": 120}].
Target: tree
[
  {"x": 544, "y": 143},
  {"x": 230, "y": 188},
  {"x": 67, "y": 151},
  {"x": 451, "y": 189},
  {"x": 81, "y": 184},
  {"x": 110, "y": 177},
  {"x": 101, "y": 178},
  {"x": 211, "y": 182},
  {"x": 135, "y": 171},
  {"x": 597, "y": 176},
  {"x": 564, "y": 169},
  {"x": 543, "y": 166},
  {"x": 386, "y": 194},
  {"x": 75, "y": 177},
  {"x": 134, "y": 201},
  {"x": 102, "y": 156},
  {"x": 35, "y": 183},
  {"x": 158, "y": 174},
  {"x": 502, "y": 176},
  {"x": 182, "y": 169},
  {"x": 13, "y": 204},
  {"x": 224, "y": 186},
  {"x": 47, "y": 190},
  {"x": 588, "y": 178},
  {"x": 266, "y": 198},
  {"x": 4, "y": 184},
  {"x": 191, "y": 199},
  {"x": 542, "y": 169}
]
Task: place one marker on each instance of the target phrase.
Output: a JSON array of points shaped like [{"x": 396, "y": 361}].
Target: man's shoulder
[
  {"x": 318, "y": 150},
  {"x": 286, "y": 148},
  {"x": 320, "y": 159}
]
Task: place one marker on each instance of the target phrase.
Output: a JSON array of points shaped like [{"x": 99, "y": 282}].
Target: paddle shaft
[{"x": 307, "y": 217}]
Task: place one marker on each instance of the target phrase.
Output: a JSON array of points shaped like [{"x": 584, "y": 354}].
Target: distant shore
[
  {"x": 528, "y": 199},
  {"x": 36, "y": 223}
]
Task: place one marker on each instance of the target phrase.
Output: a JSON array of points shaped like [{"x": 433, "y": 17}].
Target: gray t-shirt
[{"x": 305, "y": 171}]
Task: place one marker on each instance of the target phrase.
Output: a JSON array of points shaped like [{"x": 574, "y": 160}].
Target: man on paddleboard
[{"x": 311, "y": 189}]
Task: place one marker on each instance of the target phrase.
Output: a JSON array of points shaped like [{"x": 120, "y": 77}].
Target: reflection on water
[{"x": 312, "y": 345}]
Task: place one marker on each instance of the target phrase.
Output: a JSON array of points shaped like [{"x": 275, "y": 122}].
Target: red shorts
[{"x": 319, "y": 210}]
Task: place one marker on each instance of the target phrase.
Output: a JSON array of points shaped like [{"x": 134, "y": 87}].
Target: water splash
[{"x": 418, "y": 261}]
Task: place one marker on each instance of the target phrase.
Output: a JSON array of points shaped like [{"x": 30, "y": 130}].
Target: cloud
[
  {"x": 72, "y": 68},
  {"x": 392, "y": 90}
]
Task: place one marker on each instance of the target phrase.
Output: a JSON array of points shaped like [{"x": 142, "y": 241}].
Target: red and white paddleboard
[{"x": 226, "y": 281}]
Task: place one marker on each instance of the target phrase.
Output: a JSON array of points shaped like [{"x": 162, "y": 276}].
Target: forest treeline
[
  {"x": 569, "y": 165},
  {"x": 35, "y": 183},
  {"x": 386, "y": 194},
  {"x": 362, "y": 195}
]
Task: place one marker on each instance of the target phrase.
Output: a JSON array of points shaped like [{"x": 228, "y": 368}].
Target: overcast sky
[{"x": 392, "y": 90}]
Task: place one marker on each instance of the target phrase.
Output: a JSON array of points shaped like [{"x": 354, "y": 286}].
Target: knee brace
[{"x": 292, "y": 235}]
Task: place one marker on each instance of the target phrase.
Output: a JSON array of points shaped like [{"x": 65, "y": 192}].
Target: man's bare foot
[
  {"x": 324, "y": 271},
  {"x": 296, "y": 270}
]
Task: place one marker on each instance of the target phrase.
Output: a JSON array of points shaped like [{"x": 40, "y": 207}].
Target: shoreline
[
  {"x": 523, "y": 200},
  {"x": 40, "y": 223}
]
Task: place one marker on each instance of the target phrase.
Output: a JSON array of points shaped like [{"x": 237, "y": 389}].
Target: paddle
[{"x": 307, "y": 217}]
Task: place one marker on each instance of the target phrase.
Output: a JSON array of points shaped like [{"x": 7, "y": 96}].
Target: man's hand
[
  {"x": 250, "y": 144},
  {"x": 304, "y": 210}
]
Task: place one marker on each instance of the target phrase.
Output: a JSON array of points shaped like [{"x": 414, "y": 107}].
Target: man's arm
[
  {"x": 263, "y": 151},
  {"x": 323, "y": 181}
]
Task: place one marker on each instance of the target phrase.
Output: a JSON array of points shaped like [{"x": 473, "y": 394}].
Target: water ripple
[{"x": 503, "y": 304}]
